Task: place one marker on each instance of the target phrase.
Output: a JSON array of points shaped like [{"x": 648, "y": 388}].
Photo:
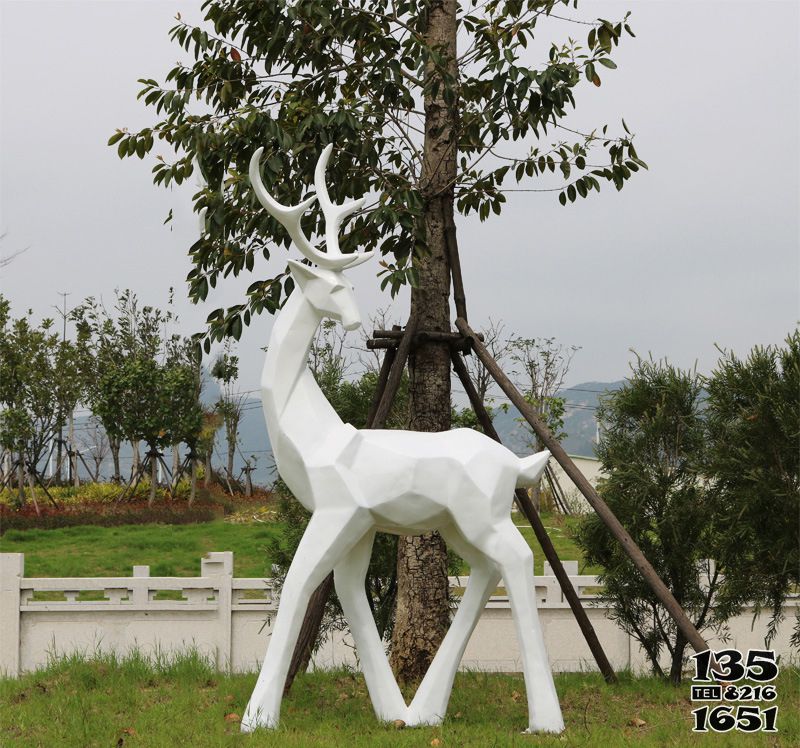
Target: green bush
[{"x": 104, "y": 516}]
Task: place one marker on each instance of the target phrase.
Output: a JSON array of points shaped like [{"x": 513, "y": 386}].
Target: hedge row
[{"x": 104, "y": 516}]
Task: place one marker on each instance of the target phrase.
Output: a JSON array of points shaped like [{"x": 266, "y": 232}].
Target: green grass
[
  {"x": 175, "y": 550},
  {"x": 169, "y": 550},
  {"x": 135, "y": 703},
  {"x": 559, "y": 529}
]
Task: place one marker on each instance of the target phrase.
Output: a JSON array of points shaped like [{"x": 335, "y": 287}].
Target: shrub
[{"x": 104, "y": 516}]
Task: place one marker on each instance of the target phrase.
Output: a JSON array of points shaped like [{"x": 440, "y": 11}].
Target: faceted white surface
[{"x": 358, "y": 482}]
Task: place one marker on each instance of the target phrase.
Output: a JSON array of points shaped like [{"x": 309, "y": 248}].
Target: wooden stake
[
  {"x": 395, "y": 375},
  {"x": 527, "y": 508},
  {"x": 606, "y": 515},
  {"x": 383, "y": 376},
  {"x": 459, "y": 297}
]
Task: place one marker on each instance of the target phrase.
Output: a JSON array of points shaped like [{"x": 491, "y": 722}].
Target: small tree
[
  {"x": 144, "y": 385},
  {"x": 211, "y": 423},
  {"x": 654, "y": 451},
  {"x": 754, "y": 463},
  {"x": 542, "y": 365},
  {"x": 499, "y": 346},
  {"x": 95, "y": 442},
  {"x": 40, "y": 381},
  {"x": 226, "y": 371},
  {"x": 106, "y": 343},
  {"x": 180, "y": 398}
]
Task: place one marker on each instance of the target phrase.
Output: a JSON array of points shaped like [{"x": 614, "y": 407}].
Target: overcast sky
[{"x": 702, "y": 249}]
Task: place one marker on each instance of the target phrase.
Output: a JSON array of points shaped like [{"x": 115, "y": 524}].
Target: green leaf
[{"x": 606, "y": 62}]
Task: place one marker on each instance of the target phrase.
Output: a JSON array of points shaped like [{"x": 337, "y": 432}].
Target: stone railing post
[
  {"x": 219, "y": 566},
  {"x": 140, "y": 594},
  {"x": 12, "y": 570},
  {"x": 554, "y": 592}
]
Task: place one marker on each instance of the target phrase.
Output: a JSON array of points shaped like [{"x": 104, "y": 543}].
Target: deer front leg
[
  {"x": 430, "y": 701},
  {"x": 349, "y": 577},
  {"x": 328, "y": 537}
]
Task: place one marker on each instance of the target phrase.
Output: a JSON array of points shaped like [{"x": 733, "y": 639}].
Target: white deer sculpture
[{"x": 356, "y": 482}]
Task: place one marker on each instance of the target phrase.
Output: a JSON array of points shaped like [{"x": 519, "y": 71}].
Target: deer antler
[{"x": 290, "y": 217}]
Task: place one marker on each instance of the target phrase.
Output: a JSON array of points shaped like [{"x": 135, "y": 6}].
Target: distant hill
[{"x": 579, "y": 424}]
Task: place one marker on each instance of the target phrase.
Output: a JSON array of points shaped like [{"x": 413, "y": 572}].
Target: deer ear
[{"x": 301, "y": 273}]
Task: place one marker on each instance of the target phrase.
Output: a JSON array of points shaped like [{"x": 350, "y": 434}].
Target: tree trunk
[
  {"x": 676, "y": 669},
  {"x": 207, "y": 475},
  {"x": 33, "y": 495},
  {"x": 232, "y": 434},
  {"x": 73, "y": 454},
  {"x": 193, "y": 482},
  {"x": 176, "y": 465},
  {"x": 114, "y": 447},
  {"x": 136, "y": 458},
  {"x": 59, "y": 445},
  {"x": 536, "y": 497},
  {"x": 423, "y": 613},
  {"x": 153, "y": 477},
  {"x": 21, "y": 479}
]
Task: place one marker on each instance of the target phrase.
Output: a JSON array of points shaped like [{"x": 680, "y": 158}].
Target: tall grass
[{"x": 166, "y": 700}]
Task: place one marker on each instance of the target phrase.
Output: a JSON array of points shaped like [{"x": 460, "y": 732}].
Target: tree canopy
[
  {"x": 653, "y": 450},
  {"x": 293, "y": 77},
  {"x": 754, "y": 432}
]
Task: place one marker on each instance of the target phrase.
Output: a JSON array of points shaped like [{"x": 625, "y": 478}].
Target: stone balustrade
[{"x": 228, "y": 620}]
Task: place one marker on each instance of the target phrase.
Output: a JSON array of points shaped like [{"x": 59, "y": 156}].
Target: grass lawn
[
  {"x": 169, "y": 550},
  {"x": 136, "y": 704},
  {"x": 175, "y": 550}
]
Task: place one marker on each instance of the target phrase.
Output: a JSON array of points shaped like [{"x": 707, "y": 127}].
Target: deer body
[{"x": 358, "y": 482}]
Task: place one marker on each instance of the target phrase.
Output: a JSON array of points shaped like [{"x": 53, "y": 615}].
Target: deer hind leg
[
  {"x": 328, "y": 537},
  {"x": 348, "y": 577},
  {"x": 430, "y": 701},
  {"x": 515, "y": 560}
]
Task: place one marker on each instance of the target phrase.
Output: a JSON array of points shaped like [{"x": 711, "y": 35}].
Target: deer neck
[{"x": 300, "y": 420}]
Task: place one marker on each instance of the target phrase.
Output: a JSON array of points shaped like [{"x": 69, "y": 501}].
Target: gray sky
[{"x": 702, "y": 249}]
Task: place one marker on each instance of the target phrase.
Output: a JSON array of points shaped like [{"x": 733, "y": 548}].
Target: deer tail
[{"x": 531, "y": 469}]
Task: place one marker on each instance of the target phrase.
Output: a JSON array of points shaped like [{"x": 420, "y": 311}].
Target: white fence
[{"x": 228, "y": 620}]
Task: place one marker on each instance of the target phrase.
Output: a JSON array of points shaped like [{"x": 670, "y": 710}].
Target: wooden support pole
[
  {"x": 526, "y": 507},
  {"x": 309, "y": 630},
  {"x": 395, "y": 375},
  {"x": 388, "y": 339},
  {"x": 35, "y": 474},
  {"x": 380, "y": 387},
  {"x": 606, "y": 515},
  {"x": 435, "y": 335},
  {"x": 459, "y": 297}
]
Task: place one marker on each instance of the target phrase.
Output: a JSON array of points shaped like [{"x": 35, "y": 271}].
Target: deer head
[{"x": 325, "y": 286}]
